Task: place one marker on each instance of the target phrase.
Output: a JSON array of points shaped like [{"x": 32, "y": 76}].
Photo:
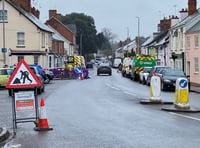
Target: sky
[{"x": 121, "y": 17}]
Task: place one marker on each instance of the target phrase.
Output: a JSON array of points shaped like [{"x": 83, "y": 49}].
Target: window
[
  {"x": 20, "y": 39},
  {"x": 43, "y": 39},
  {"x": 196, "y": 64},
  {"x": 3, "y": 16},
  {"x": 196, "y": 38},
  {"x": 36, "y": 57},
  {"x": 19, "y": 58},
  {"x": 188, "y": 42}
]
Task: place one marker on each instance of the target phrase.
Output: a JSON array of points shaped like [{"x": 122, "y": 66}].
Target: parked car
[
  {"x": 144, "y": 74},
  {"x": 89, "y": 65},
  {"x": 5, "y": 74},
  {"x": 126, "y": 67},
  {"x": 155, "y": 70},
  {"x": 104, "y": 69},
  {"x": 40, "y": 89},
  {"x": 117, "y": 62},
  {"x": 169, "y": 76},
  {"x": 49, "y": 74},
  {"x": 41, "y": 72}
]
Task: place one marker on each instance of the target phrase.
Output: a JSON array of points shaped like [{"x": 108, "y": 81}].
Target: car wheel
[
  {"x": 144, "y": 82},
  {"x": 9, "y": 92},
  {"x": 42, "y": 90},
  {"x": 110, "y": 73},
  {"x": 47, "y": 80},
  {"x": 39, "y": 90}
]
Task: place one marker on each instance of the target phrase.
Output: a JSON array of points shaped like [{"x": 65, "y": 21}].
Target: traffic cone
[
  {"x": 43, "y": 123},
  {"x": 82, "y": 76}
]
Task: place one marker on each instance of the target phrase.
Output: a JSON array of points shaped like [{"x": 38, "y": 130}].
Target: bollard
[
  {"x": 181, "y": 94},
  {"x": 155, "y": 91}
]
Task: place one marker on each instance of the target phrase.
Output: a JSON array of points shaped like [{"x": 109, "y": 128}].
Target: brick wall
[
  {"x": 25, "y": 4},
  {"x": 192, "y": 5},
  {"x": 61, "y": 29},
  {"x": 53, "y": 13}
]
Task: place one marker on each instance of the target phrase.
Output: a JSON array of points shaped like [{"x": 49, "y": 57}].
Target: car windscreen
[
  {"x": 174, "y": 73},
  {"x": 3, "y": 72},
  {"x": 145, "y": 70}
]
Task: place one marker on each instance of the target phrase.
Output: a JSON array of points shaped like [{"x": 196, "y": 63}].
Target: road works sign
[{"x": 23, "y": 77}]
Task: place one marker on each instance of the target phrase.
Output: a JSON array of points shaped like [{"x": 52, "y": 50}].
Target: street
[{"x": 105, "y": 112}]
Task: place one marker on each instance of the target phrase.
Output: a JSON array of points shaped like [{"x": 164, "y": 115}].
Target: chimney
[
  {"x": 35, "y": 12},
  {"x": 174, "y": 20},
  {"x": 192, "y": 6},
  {"x": 53, "y": 13},
  {"x": 165, "y": 24},
  {"x": 183, "y": 14},
  {"x": 25, "y": 4}
]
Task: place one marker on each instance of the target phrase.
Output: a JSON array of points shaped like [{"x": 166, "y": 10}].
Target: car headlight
[{"x": 166, "y": 80}]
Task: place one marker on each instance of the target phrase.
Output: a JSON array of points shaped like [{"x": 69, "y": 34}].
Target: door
[{"x": 188, "y": 68}]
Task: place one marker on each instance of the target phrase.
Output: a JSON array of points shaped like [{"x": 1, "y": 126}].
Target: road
[{"x": 104, "y": 112}]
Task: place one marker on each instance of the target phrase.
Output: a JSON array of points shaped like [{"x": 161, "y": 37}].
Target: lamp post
[
  {"x": 138, "y": 41},
  {"x": 4, "y": 53}
]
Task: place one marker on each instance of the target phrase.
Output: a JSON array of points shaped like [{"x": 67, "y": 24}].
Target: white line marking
[
  {"x": 126, "y": 92},
  {"x": 189, "y": 117},
  {"x": 115, "y": 88}
]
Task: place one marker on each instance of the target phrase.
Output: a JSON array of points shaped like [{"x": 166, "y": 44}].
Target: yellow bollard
[{"x": 181, "y": 94}]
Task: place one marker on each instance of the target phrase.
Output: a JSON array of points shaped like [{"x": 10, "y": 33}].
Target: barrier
[
  {"x": 181, "y": 94},
  {"x": 155, "y": 91}
]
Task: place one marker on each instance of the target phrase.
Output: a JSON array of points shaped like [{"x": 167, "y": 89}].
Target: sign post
[{"x": 25, "y": 101}]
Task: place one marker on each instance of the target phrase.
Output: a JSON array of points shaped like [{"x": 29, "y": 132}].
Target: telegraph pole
[{"x": 138, "y": 42}]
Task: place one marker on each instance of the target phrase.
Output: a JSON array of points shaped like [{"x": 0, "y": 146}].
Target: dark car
[
  {"x": 169, "y": 76},
  {"x": 49, "y": 74},
  {"x": 155, "y": 70},
  {"x": 89, "y": 65},
  {"x": 104, "y": 68}
]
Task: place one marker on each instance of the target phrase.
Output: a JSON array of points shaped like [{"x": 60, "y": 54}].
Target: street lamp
[
  {"x": 138, "y": 41},
  {"x": 4, "y": 53}
]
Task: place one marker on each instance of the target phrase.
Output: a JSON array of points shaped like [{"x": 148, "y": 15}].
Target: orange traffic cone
[
  {"x": 43, "y": 123},
  {"x": 82, "y": 76}
]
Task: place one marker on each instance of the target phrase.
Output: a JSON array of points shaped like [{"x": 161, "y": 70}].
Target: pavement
[
  {"x": 5, "y": 135},
  {"x": 195, "y": 89}
]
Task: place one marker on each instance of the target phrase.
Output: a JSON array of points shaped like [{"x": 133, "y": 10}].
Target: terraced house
[{"x": 25, "y": 36}]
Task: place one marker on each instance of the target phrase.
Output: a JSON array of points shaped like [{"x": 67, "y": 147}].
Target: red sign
[{"x": 23, "y": 77}]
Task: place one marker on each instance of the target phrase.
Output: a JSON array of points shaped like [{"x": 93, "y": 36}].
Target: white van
[{"x": 117, "y": 62}]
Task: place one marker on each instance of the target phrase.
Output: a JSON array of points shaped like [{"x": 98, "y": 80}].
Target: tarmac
[{"x": 6, "y": 135}]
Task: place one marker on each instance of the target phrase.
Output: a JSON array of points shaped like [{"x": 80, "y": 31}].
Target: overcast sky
[{"x": 119, "y": 16}]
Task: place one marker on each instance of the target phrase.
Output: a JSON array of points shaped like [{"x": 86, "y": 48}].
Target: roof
[
  {"x": 194, "y": 28},
  {"x": 187, "y": 19},
  {"x": 56, "y": 36},
  {"x": 163, "y": 40},
  {"x": 149, "y": 40},
  {"x": 62, "y": 24},
  {"x": 30, "y": 17},
  {"x": 129, "y": 46},
  {"x": 157, "y": 39},
  {"x": 71, "y": 27}
]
